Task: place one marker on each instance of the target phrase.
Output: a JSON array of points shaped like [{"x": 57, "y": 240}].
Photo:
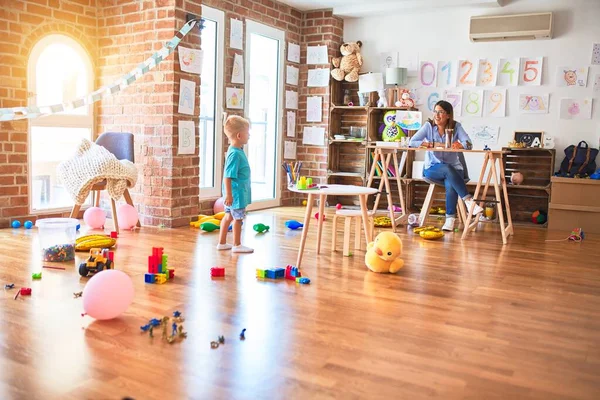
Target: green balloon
[
  {"x": 209, "y": 226},
  {"x": 260, "y": 228}
]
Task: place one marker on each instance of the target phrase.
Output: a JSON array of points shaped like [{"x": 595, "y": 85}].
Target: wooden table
[
  {"x": 333, "y": 190},
  {"x": 492, "y": 167}
]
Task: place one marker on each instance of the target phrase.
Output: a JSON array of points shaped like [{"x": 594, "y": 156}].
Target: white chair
[{"x": 350, "y": 216}]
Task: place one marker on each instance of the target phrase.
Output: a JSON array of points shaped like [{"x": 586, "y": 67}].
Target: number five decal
[{"x": 530, "y": 66}]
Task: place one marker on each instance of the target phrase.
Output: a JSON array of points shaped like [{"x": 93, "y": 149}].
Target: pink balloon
[
  {"x": 219, "y": 206},
  {"x": 107, "y": 294},
  {"x": 94, "y": 217},
  {"x": 127, "y": 216}
]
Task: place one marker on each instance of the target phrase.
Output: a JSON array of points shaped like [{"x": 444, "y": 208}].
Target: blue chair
[{"x": 435, "y": 185}]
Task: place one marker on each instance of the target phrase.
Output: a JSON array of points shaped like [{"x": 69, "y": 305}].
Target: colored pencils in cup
[{"x": 292, "y": 170}]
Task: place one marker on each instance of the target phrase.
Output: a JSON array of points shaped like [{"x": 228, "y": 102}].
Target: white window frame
[
  {"x": 54, "y": 120},
  {"x": 217, "y": 16},
  {"x": 278, "y": 34}
]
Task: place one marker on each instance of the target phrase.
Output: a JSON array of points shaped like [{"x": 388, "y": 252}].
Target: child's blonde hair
[{"x": 235, "y": 124}]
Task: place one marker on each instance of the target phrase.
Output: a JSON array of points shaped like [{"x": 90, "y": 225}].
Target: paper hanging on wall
[
  {"x": 314, "y": 135},
  {"x": 236, "y": 34},
  {"x": 289, "y": 150},
  {"x": 494, "y": 104},
  {"x": 291, "y": 99},
  {"x": 187, "y": 139},
  {"x": 293, "y": 52},
  {"x": 314, "y": 109},
  {"x": 318, "y": 77},
  {"x": 291, "y": 75},
  {"x": 316, "y": 55},
  {"x": 427, "y": 97},
  {"x": 234, "y": 98},
  {"x": 597, "y": 83},
  {"x": 410, "y": 61},
  {"x": 409, "y": 120},
  {"x": 473, "y": 103},
  {"x": 187, "y": 97},
  {"x": 596, "y": 54},
  {"x": 467, "y": 72},
  {"x": 571, "y": 76},
  {"x": 508, "y": 71},
  {"x": 485, "y": 134},
  {"x": 487, "y": 72},
  {"x": 447, "y": 73},
  {"x": 291, "y": 123},
  {"x": 237, "y": 72},
  {"x": 388, "y": 60},
  {"x": 190, "y": 60},
  {"x": 531, "y": 71},
  {"x": 454, "y": 97},
  {"x": 576, "y": 108},
  {"x": 534, "y": 104},
  {"x": 428, "y": 73}
]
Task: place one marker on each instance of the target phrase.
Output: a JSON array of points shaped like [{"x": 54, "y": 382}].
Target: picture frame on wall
[{"x": 530, "y": 138}]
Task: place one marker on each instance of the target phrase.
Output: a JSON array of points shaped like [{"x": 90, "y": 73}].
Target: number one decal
[{"x": 448, "y": 67}]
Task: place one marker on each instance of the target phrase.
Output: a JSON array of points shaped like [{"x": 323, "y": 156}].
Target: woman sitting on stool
[{"x": 446, "y": 166}]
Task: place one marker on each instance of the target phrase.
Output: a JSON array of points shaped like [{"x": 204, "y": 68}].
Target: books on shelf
[{"x": 391, "y": 171}]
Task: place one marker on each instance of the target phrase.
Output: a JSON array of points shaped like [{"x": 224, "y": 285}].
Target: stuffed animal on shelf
[
  {"x": 382, "y": 254},
  {"x": 404, "y": 99},
  {"x": 382, "y": 102},
  {"x": 348, "y": 66}
]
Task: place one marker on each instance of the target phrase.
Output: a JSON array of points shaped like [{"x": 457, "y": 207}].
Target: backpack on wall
[{"x": 579, "y": 161}]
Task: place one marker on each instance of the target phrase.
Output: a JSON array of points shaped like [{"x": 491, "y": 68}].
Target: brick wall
[{"x": 22, "y": 25}]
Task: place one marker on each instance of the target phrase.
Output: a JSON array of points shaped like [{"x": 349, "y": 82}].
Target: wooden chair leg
[
  {"x": 427, "y": 204},
  {"x": 75, "y": 211},
  {"x": 347, "y": 228},
  {"x": 334, "y": 233},
  {"x": 357, "y": 232},
  {"x": 113, "y": 205},
  {"x": 128, "y": 200},
  {"x": 97, "y": 198}
]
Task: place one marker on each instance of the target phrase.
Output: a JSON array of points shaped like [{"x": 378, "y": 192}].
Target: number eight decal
[
  {"x": 473, "y": 100},
  {"x": 530, "y": 65},
  {"x": 427, "y": 64},
  {"x": 432, "y": 99},
  {"x": 463, "y": 79}
]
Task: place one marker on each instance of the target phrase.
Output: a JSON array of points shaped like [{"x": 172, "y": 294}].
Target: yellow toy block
[{"x": 160, "y": 278}]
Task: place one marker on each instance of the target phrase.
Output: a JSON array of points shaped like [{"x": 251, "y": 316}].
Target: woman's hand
[
  {"x": 457, "y": 145},
  {"x": 228, "y": 200}
]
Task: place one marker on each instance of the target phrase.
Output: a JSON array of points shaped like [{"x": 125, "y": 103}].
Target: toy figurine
[{"x": 243, "y": 334}]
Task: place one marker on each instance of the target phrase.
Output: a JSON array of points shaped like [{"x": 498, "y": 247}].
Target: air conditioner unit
[{"x": 511, "y": 27}]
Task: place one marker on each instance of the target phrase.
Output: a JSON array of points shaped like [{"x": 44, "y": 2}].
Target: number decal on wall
[
  {"x": 487, "y": 73},
  {"x": 472, "y": 106},
  {"x": 496, "y": 98},
  {"x": 530, "y": 66},
  {"x": 448, "y": 67},
  {"x": 464, "y": 78},
  {"x": 424, "y": 80},
  {"x": 507, "y": 69},
  {"x": 432, "y": 99}
]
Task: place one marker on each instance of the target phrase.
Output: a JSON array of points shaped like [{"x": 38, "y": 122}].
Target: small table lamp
[
  {"x": 395, "y": 76},
  {"x": 368, "y": 84}
]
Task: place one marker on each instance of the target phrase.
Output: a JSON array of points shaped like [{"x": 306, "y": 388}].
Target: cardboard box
[{"x": 574, "y": 204}]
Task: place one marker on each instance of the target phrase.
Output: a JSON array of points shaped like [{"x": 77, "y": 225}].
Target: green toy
[
  {"x": 37, "y": 275},
  {"x": 260, "y": 228},
  {"x": 208, "y": 226}
]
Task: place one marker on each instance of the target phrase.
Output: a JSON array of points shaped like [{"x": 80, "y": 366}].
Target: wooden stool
[
  {"x": 462, "y": 211},
  {"x": 349, "y": 215}
]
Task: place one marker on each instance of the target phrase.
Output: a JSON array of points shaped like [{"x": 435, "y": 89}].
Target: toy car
[{"x": 97, "y": 261}]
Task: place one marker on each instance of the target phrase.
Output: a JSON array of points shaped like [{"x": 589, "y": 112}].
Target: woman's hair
[
  {"x": 446, "y": 106},
  {"x": 235, "y": 124}
]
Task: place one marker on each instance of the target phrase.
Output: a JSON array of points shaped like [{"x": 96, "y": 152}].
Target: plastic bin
[{"x": 57, "y": 238}]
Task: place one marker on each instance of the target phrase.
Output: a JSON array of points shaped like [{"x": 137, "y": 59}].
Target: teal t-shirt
[{"x": 238, "y": 169}]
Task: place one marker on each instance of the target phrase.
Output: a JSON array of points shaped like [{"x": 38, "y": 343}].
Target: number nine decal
[
  {"x": 427, "y": 64},
  {"x": 496, "y": 98}
]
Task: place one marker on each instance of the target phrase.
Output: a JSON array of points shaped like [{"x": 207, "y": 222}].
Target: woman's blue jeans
[{"x": 454, "y": 182}]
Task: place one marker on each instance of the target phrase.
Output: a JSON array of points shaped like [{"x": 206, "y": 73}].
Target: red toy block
[
  {"x": 171, "y": 273},
  {"x": 25, "y": 291},
  {"x": 114, "y": 235},
  {"x": 111, "y": 255},
  {"x": 217, "y": 271}
]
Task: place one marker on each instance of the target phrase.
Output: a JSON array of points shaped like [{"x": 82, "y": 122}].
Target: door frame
[{"x": 276, "y": 34}]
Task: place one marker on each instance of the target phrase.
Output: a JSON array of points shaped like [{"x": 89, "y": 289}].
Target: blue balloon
[
  {"x": 78, "y": 226},
  {"x": 16, "y": 224},
  {"x": 293, "y": 224},
  {"x": 28, "y": 224}
]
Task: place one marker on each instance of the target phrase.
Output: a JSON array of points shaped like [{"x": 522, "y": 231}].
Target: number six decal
[{"x": 432, "y": 99}]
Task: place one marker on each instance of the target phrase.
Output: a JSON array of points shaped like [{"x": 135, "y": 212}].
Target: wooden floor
[{"x": 463, "y": 320}]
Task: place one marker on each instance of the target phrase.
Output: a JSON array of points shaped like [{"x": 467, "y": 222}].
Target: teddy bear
[
  {"x": 404, "y": 99},
  {"x": 383, "y": 253},
  {"x": 348, "y": 66}
]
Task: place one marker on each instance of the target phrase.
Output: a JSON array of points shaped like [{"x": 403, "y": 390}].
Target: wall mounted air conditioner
[{"x": 511, "y": 27}]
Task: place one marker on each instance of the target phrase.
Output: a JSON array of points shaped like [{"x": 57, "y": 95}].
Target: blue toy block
[
  {"x": 303, "y": 280},
  {"x": 160, "y": 269},
  {"x": 279, "y": 272},
  {"x": 149, "y": 278},
  {"x": 270, "y": 273}
]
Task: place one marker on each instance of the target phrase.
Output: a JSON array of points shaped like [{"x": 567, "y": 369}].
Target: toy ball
[
  {"x": 317, "y": 216},
  {"x": 107, "y": 294},
  {"x": 293, "y": 224},
  {"x": 219, "y": 205},
  {"x": 28, "y": 224},
  {"x": 539, "y": 217},
  {"x": 94, "y": 217},
  {"x": 304, "y": 202},
  {"x": 516, "y": 178},
  {"x": 16, "y": 224},
  {"x": 338, "y": 206},
  {"x": 127, "y": 216}
]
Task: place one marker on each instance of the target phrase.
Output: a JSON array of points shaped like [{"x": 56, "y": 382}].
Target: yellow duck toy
[{"x": 382, "y": 254}]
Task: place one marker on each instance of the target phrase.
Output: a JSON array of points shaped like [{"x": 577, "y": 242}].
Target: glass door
[{"x": 264, "y": 86}]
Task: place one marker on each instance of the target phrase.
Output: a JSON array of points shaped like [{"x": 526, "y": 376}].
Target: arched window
[{"x": 59, "y": 70}]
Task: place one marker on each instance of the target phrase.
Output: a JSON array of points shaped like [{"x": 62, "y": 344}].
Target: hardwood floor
[{"x": 463, "y": 319}]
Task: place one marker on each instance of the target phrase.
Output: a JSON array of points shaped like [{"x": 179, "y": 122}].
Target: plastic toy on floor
[
  {"x": 260, "y": 228},
  {"x": 293, "y": 224},
  {"x": 383, "y": 254}
]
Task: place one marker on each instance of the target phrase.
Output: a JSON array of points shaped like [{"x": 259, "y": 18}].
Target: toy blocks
[
  {"x": 217, "y": 271},
  {"x": 36, "y": 275},
  {"x": 157, "y": 267},
  {"x": 292, "y": 273},
  {"x": 274, "y": 273},
  {"x": 303, "y": 280},
  {"x": 260, "y": 273},
  {"x": 25, "y": 291}
]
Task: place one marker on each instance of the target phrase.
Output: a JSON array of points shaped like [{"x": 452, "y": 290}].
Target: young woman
[{"x": 446, "y": 166}]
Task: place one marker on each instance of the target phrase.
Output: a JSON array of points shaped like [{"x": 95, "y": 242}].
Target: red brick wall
[{"x": 22, "y": 25}]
